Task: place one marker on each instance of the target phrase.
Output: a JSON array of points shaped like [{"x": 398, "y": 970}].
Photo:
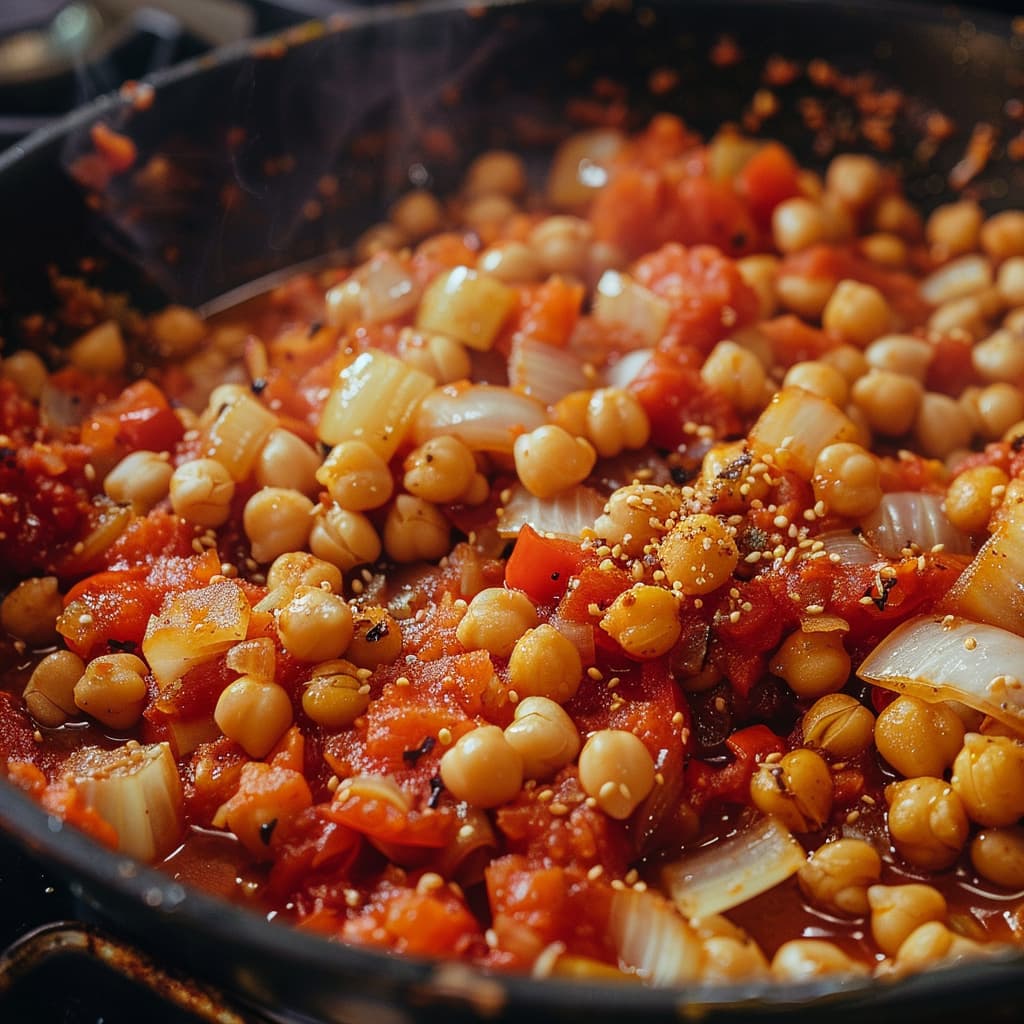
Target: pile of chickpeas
[{"x": 321, "y": 526}]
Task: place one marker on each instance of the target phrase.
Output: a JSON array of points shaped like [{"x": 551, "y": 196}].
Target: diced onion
[
  {"x": 374, "y": 400},
  {"x": 794, "y": 428},
  {"x": 652, "y": 939},
  {"x": 238, "y": 434},
  {"x": 564, "y": 515},
  {"x": 110, "y": 522},
  {"x": 729, "y": 152},
  {"x": 729, "y": 873},
  {"x": 136, "y": 790},
  {"x": 466, "y": 306},
  {"x": 961, "y": 277},
  {"x": 471, "y": 848},
  {"x": 544, "y": 371},
  {"x": 580, "y": 167},
  {"x": 904, "y": 518},
  {"x": 627, "y": 369},
  {"x": 193, "y": 627},
  {"x": 581, "y": 636},
  {"x": 382, "y": 289},
  {"x": 951, "y": 658},
  {"x": 485, "y": 417},
  {"x": 188, "y": 734},
  {"x": 621, "y": 300},
  {"x": 848, "y": 547}
]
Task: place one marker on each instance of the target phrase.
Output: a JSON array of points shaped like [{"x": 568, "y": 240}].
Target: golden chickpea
[
  {"x": 797, "y": 224},
  {"x": 635, "y": 515},
  {"x": 898, "y": 910},
  {"x": 900, "y": 353},
  {"x": 376, "y": 638},
  {"x": 301, "y": 569},
  {"x": 988, "y": 775},
  {"x": 1010, "y": 281},
  {"x": 806, "y": 959},
  {"x": 760, "y": 273},
  {"x": 201, "y": 492},
  {"x": 356, "y": 477},
  {"x": 615, "y": 421},
  {"x": 277, "y": 520},
  {"x": 889, "y": 401},
  {"x": 345, "y": 539},
  {"x": 141, "y": 479},
  {"x": 254, "y": 713},
  {"x": 101, "y": 350},
  {"x": 1002, "y": 235},
  {"x": 942, "y": 425},
  {"x": 417, "y": 214},
  {"x": 510, "y": 261},
  {"x": 29, "y": 612},
  {"x": 617, "y": 770},
  {"x": 544, "y": 736},
  {"x": 812, "y": 664},
  {"x": 113, "y": 690},
  {"x": 415, "y": 530},
  {"x": 999, "y": 407},
  {"x": 562, "y": 244},
  {"x": 973, "y": 495},
  {"x": 728, "y": 959},
  {"x": 970, "y": 315},
  {"x": 50, "y": 693},
  {"x": 847, "y": 478},
  {"x": 644, "y": 621},
  {"x": 899, "y": 217},
  {"x": 177, "y": 331},
  {"x": 335, "y": 696},
  {"x": 315, "y": 625},
  {"x": 495, "y": 619},
  {"x": 482, "y": 768},
  {"x": 439, "y": 471},
  {"x": 849, "y": 360},
  {"x": 855, "y": 179},
  {"x": 933, "y": 943},
  {"x": 737, "y": 374},
  {"x": 27, "y": 371},
  {"x": 379, "y": 238},
  {"x": 496, "y": 172},
  {"x": 820, "y": 379},
  {"x": 839, "y": 725},
  {"x": 544, "y": 663},
  {"x": 436, "y": 355},
  {"x": 287, "y": 461},
  {"x": 918, "y": 738},
  {"x": 1000, "y": 357},
  {"x": 805, "y": 296},
  {"x": 699, "y": 554},
  {"x": 886, "y": 250},
  {"x": 725, "y": 480},
  {"x": 797, "y": 790},
  {"x": 998, "y": 855},
  {"x": 955, "y": 228},
  {"x": 549, "y": 460},
  {"x": 837, "y": 876},
  {"x": 487, "y": 216},
  {"x": 927, "y": 822},
  {"x": 857, "y": 312}
]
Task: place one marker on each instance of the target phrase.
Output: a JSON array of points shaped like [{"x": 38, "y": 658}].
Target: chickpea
[
  {"x": 805, "y": 296},
  {"x": 1010, "y": 281},
  {"x": 287, "y": 461},
  {"x": 760, "y": 272},
  {"x": 812, "y": 664},
  {"x": 1002, "y": 235},
  {"x": 644, "y": 621},
  {"x": 496, "y": 172},
  {"x": 927, "y": 822},
  {"x": 345, "y": 539},
  {"x": 439, "y": 471},
  {"x": 29, "y": 612},
  {"x": 277, "y": 520},
  {"x": 820, "y": 379},
  {"x": 544, "y": 736},
  {"x": 988, "y": 775},
  {"x": 728, "y": 959},
  {"x": 436, "y": 355},
  {"x": 839, "y": 725},
  {"x": 889, "y": 401},
  {"x": 617, "y": 770},
  {"x": 562, "y": 244},
  {"x": 376, "y": 638},
  {"x": 797, "y": 224},
  {"x": 544, "y": 663},
  {"x": 415, "y": 530},
  {"x": 417, "y": 214},
  {"x": 356, "y": 477},
  {"x": 379, "y": 238},
  {"x": 797, "y": 790},
  {"x": 201, "y": 492},
  {"x": 699, "y": 554},
  {"x": 918, "y": 738},
  {"x": 886, "y": 250},
  {"x": 999, "y": 406},
  {"x": 113, "y": 689},
  {"x": 335, "y": 696},
  {"x": 737, "y": 374},
  {"x": 487, "y": 216},
  {"x": 635, "y": 515},
  {"x": 898, "y": 910},
  {"x": 495, "y": 619},
  {"x": 1000, "y": 357},
  {"x": 725, "y": 480},
  {"x": 857, "y": 312},
  {"x": 847, "y": 478},
  {"x": 483, "y": 768},
  {"x": 955, "y": 228},
  {"x": 933, "y": 943},
  {"x": 805, "y": 959},
  {"x": 837, "y": 876},
  {"x": 177, "y": 331},
  {"x": 849, "y": 360},
  {"x": 27, "y": 371},
  {"x": 900, "y": 353},
  {"x": 315, "y": 625},
  {"x": 895, "y": 215},
  {"x": 969, "y": 315},
  {"x": 254, "y": 713},
  {"x": 550, "y": 460},
  {"x": 855, "y": 179},
  {"x": 615, "y": 421},
  {"x": 301, "y": 569},
  {"x": 101, "y": 350},
  {"x": 943, "y": 426},
  {"x": 50, "y": 693},
  {"x": 141, "y": 479},
  {"x": 998, "y": 855},
  {"x": 510, "y": 261}
]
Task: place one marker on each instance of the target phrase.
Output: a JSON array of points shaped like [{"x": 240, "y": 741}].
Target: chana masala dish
[{"x": 615, "y": 575}]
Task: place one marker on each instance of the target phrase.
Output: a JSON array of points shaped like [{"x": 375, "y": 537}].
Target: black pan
[{"x": 282, "y": 151}]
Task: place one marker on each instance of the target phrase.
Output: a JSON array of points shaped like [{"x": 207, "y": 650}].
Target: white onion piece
[
  {"x": 546, "y": 372},
  {"x": 951, "y": 658},
  {"x": 621, "y": 300},
  {"x": 964, "y": 276},
  {"x": 911, "y": 517},
  {"x": 851, "y": 549},
  {"x": 564, "y": 515},
  {"x": 580, "y": 167},
  {"x": 487, "y": 418},
  {"x": 728, "y": 873},
  {"x": 628, "y": 368},
  {"x": 652, "y": 939},
  {"x": 581, "y": 636}
]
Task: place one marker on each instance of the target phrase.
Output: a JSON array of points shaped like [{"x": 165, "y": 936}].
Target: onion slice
[
  {"x": 544, "y": 371},
  {"x": 651, "y": 938},
  {"x": 485, "y": 417},
  {"x": 564, "y": 515},
  {"x": 951, "y": 658},
  {"x": 904, "y": 518},
  {"x": 726, "y": 874},
  {"x": 849, "y": 547}
]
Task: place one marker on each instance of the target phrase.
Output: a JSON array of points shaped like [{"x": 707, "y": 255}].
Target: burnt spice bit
[
  {"x": 314, "y": 328},
  {"x": 682, "y": 475},
  {"x": 883, "y": 587},
  {"x": 436, "y": 789},
  {"x": 121, "y": 646},
  {"x": 267, "y": 831},
  {"x": 1017, "y": 443},
  {"x": 377, "y": 632},
  {"x": 258, "y": 386},
  {"x": 737, "y": 468},
  {"x": 412, "y": 756}
]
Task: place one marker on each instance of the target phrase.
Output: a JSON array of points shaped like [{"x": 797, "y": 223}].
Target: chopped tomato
[
  {"x": 770, "y": 176},
  {"x": 731, "y": 784},
  {"x": 543, "y": 566},
  {"x": 794, "y": 341},
  {"x": 549, "y": 311}
]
